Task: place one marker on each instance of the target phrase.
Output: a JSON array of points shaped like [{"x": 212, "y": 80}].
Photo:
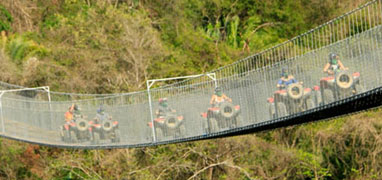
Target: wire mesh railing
[{"x": 328, "y": 64}]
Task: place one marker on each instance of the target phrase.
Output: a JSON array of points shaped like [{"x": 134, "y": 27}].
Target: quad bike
[
  {"x": 222, "y": 115},
  {"x": 104, "y": 130},
  {"x": 292, "y": 99},
  {"x": 169, "y": 125},
  {"x": 76, "y": 130},
  {"x": 343, "y": 84}
]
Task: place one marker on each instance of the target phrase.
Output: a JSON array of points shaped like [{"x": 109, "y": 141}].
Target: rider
[
  {"x": 334, "y": 64},
  {"x": 286, "y": 79},
  {"x": 72, "y": 111},
  {"x": 219, "y": 97},
  {"x": 163, "y": 108},
  {"x": 76, "y": 110},
  {"x": 69, "y": 114},
  {"x": 101, "y": 115}
]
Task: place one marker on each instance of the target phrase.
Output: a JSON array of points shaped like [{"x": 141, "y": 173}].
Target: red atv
[
  {"x": 76, "y": 131},
  {"x": 295, "y": 98},
  {"x": 221, "y": 116},
  {"x": 342, "y": 84},
  {"x": 103, "y": 128},
  {"x": 169, "y": 125}
]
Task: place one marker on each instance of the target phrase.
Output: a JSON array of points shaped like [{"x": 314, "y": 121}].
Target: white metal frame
[
  {"x": 150, "y": 83},
  {"x": 2, "y": 92}
]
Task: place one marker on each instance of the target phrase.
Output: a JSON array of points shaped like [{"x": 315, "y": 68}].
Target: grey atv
[
  {"x": 224, "y": 115},
  {"x": 104, "y": 130},
  {"x": 343, "y": 84},
  {"x": 169, "y": 125},
  {"x": 292, "y": 99},
  {"x": 76, "y": 130}
]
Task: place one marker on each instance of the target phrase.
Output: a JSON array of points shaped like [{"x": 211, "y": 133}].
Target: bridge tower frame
[{"x": 151, "y": 82}]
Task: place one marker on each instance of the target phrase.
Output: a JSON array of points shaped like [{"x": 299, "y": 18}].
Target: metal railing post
[
  {"x": 1, "y": 111},
  {"x": 213, "y": 77},
  {"x": 47, "y": 89},
  {"x": 149, "y": 83}
]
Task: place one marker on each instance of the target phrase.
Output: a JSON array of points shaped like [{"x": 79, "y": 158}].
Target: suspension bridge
[{"x": 189, "y": 110}]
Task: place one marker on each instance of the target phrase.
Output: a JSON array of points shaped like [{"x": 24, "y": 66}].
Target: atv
[
  {"x": 76, "y": 131},
  {"x": 292, "y": 99},
  {"x": 104, "y": 129},
  {"x": 343, "y": 84},
  {"x": 169, "y": 125},
  {"x": 221, "y": 116}
]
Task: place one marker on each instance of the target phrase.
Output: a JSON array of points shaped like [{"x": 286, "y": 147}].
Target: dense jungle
[{"x": 111, "y": 46}]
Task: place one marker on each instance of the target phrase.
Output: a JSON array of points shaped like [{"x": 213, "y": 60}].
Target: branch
[
  {"x": 173, "y": 164},
  {"x": 240, "y": 169},
  {"x": 264, "y": 25},
  {"x": 222, "y": 163},
  {"x": 205, "y": 168}
]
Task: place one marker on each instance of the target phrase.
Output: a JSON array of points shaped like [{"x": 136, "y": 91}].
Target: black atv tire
[
  {"x": 213, "y": 125},
  {"x": 96, "y": 138},
  {"x": 182, "y": 130},
  {"x": 62, "y": 134},
  {"x": 328, "y": 96},
  {"x": 318, "y": 98},
  {"x": 205, "y": 125},
  {"x": 117, "y": 136},
  {"x": 359, "y": 89},
  {"x": 227, "y": 110},
  {"x": 65, "y": 135},
  {"x": 310, "y": 104},
  {"x": 159, "y": 133},
  {"x": 271, "y": 110},
  {"x": 73, "y": 137},
  {"x": 238, "y": 121},
  {"x": 89, "y": 136},
  {"x": 282, "y": 110}
]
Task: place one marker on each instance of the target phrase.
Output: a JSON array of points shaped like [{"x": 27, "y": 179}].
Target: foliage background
[{"x": 105, "y": 46}]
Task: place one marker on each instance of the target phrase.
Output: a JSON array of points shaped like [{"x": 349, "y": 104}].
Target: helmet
[
  {"x": 218, "y": 89},
  {"x": 284, "y": 72},
  {"x": 162, "y": 100},
  {"x": 100, "y": 109},
  {"x": 333, "y": 58}
]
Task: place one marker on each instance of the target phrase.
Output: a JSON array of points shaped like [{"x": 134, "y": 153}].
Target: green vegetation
[
  {"x": 130, "y": 41},
  {"x": 103, "y": 46},
  {"x": 5, "y": 19}
]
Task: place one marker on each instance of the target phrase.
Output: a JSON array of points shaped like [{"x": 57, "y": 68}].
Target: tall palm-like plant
[
  {"x": 233, "y": 35},
  {"x": 19, "y": 49}
]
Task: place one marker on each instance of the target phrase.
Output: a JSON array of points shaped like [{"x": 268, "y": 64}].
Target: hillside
[{"x": 96, "y": 46}]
